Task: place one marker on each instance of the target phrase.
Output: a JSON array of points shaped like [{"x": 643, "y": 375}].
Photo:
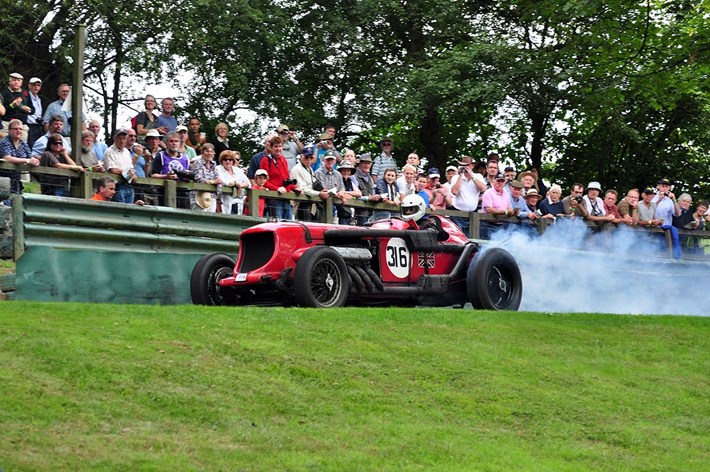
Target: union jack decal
[{"x": 426, "y": 260}]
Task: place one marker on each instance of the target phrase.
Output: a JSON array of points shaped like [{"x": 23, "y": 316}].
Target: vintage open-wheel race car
[{"x": 390, "y": 262}]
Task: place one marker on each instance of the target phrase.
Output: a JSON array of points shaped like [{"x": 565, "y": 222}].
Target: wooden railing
[{"x": 83, "y": 187}]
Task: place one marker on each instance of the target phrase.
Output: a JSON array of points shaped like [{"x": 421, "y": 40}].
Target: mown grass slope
[{"x": 103, "y": 387}]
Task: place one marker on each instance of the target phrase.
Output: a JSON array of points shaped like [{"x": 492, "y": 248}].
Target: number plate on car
[{"x": 241, "y": 277}]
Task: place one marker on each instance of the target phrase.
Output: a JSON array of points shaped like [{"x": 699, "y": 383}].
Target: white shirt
[
  {"x": 118, "y": 159},
  {"x": 467, "y": 199}
]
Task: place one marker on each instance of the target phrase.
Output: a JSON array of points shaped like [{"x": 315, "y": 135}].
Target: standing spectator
[
  {"x": 610, "y": 198},
  {"x": 366, "y": 185},
  {"x": 666, "y": 205},
  {"x": 99, "y": 148},
  {"x": 14, "y": 150},
  {"x": 34, "y": 121},
  {"x": 387, "y": 189},
  {"x": 520, "y": 206},
  {"x": 166, "y": 121},
  {"x": 509, "y": 173},
  {"x": 260, "y": 177},
  {"x": 117, "y": 159},
  {"x": 450, "y": 174},
  {"x": 88, "y": 158},
  {"x": 292, "y": 145},
  {"x": 492, "y": 173},
  {"x": 413, "y": 161},
  {"x": 147, "y": 119},
  {"x": 350, "y": 156},
  {"x": 406, "y": 184},
  {"x": 440, "y": 197},
  {"x": 496, "y": 201},
  {"x": 324, "y": 144},
  {"x": 57, "y": 109},
  {"x": 17, "y": 104},
  {"x": 184, "y": 148},
  {"x": 56, "y": 125},
  {"x": 195, "y": 138},
  {"x": 595, "y": 205},
  {"x": 529, "y": 181},
  {"x": 647, "y": 209},
  {"x": 279, "y": 179},
  {"x": 105, "y": 190},
  {"x": 304, "y": 176},
  {"x": 255, "y": 161},
  {"x": 539, "y": 184},
  {"x": 686, "y": 213},
  {"x": 421, "y": 183},
  {"x": 466, "y": 188},
  {"x": 231, "y": 176},
  {"x": 551, "y": 206},
  {"x": 574, "y": 203},
  {"x": 205, "y": 170},
  {"x": 221, "y": 140},
  {"x": 345, "y": 213},
  {"x": 331, "y": 181},
  {"x": 56, "y": 156},
  {"x": 385, "y": 160},
  {"x": 628, "y": 207},
  {"x": 170, "y": 164}
]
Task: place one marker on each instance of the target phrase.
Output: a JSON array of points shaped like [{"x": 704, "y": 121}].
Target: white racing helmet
[{"x": 413, "y": 207}]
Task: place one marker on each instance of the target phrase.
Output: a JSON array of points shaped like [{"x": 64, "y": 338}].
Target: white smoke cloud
[{"x": 569, "y": 270}]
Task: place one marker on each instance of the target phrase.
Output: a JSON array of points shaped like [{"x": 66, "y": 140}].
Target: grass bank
[{"x": 87, "y": 387}]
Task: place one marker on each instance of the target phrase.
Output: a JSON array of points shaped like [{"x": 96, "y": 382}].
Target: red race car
[{"x": 390, "y": 262}]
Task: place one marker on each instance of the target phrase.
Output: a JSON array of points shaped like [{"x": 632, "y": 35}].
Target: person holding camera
[
  {"x": 574, "y": 203},
  {"x": 292, "y": 146},
  {"x": 440, "y": 197},
  {"x": 666, "y": 204},
  {"x": 467, "y": 188},
  {"x": 171, "y": 164},
  {"x": 279, "y": 179}
]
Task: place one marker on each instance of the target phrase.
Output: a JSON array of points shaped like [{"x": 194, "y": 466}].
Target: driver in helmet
[{"x": 413, "y": 211}]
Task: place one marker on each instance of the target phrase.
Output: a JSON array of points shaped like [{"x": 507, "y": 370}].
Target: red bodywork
[{"x": 406, "y": 260}]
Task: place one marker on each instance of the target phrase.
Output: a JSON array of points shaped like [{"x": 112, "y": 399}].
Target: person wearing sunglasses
[{"x": 58, "y": 157}]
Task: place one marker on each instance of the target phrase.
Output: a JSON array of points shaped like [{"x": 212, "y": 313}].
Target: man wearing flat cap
[{"x": 17, "y": 104}]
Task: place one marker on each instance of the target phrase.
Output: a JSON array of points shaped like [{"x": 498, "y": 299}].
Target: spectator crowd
[{"x": 157, "y": 145}]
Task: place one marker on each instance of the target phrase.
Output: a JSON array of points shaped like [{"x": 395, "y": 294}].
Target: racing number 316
[{"x": 397, "y": 256}]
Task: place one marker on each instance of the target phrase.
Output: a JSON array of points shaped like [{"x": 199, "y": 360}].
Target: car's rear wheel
[
  {"x": 209, "y": 270},
  {"x": 493, "y": 281},
  {"x": 321, "y": 279}
]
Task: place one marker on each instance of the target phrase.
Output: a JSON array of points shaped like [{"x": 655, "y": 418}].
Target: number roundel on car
[{"x": 397, "y": 258}]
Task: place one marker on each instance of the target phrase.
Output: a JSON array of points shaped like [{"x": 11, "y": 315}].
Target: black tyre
[
  {"x": 209, "y": 270},
  {"x": 321, "y": 279},
  {"x": 493, "y": 281}
]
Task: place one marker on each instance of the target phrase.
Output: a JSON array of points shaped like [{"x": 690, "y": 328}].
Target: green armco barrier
[
  {"x": 59, "y": 275},
  {"x": 70, "y": 249}
]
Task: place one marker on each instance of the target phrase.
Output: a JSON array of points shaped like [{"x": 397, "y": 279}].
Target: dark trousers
[{"x": 33, "y": 134}]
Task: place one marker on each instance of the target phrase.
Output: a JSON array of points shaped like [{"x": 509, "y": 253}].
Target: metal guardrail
[{"x": 73, "y": 223}]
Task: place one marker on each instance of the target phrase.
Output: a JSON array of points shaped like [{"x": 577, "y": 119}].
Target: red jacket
[{"x": 277, "y": 167}]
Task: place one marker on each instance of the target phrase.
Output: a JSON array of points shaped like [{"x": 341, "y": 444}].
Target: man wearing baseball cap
[
  {"x": 304, "y": 176},
  {"x": 34, "y": 120},
  {"x": 117, "y": 159}
]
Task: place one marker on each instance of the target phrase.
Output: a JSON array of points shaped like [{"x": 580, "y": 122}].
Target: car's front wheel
[
  {"x": 321, "y": 279},
  {"x": 208, "y": 271},
  {"x": 494, "y": 282}
]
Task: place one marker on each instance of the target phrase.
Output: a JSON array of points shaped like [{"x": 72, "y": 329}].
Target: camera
[
  {"x": 438, "y": 185},
  {"x": 462, "y": 169},
  {"x": 666, "y": 193},
  {"x": 578, "y": 199},
  {"x": 288, "y": 182},
  {"x": 184, "y": 174}
]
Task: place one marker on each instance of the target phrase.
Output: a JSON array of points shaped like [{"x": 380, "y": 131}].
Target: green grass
[{"x": 104, "y": 387}]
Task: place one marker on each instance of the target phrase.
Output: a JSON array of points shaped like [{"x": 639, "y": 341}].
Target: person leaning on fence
[
  {"x": 551, "y": 206},
  {"x": 595, "y": 205},
  {"x": 58, "y": 157},
  {"x": 628, "y": 207},
  {"x": 366, "y": 185},
  {"x": 117, "y": 159},
  {"x": 260, "y": 177},
  {"x": 15, "y": 151},
  {"x": 610, "y": 198},
  {"x": 647, "y": 209},
  {"x": 495, "y": 201},
  {"x": 88, "y": 158},
  {"x": 346, "y": 214},
  {"x": 279, "y": 180},
  {"x": 205, "y": 170},
  {"x": 231, "y": 177},
  {"x": 304, "y": 176},
  {"x": 172, "y": 164}
]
